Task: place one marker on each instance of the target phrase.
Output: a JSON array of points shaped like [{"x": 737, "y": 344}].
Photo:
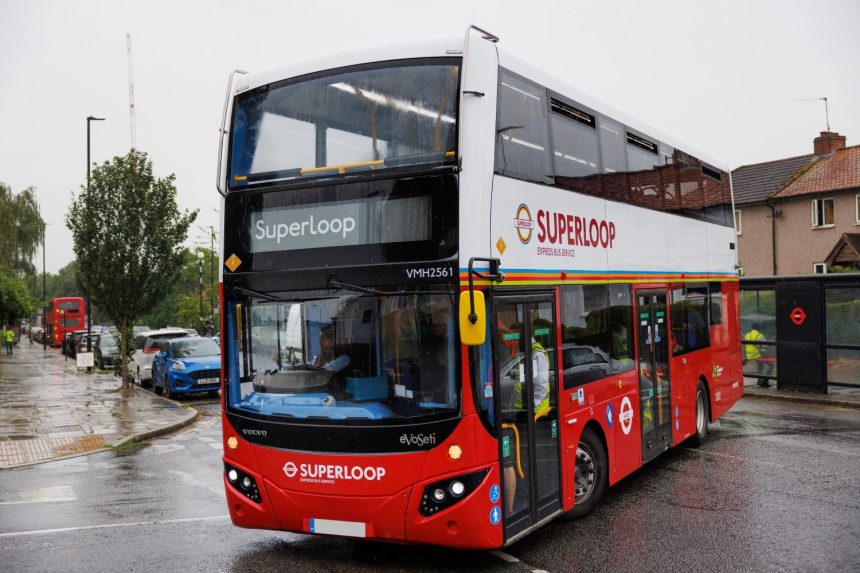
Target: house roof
[
  {"x": 846, "y": 250},
  {"x": 838, "y": 172},
  {"x": 755, "y": 183}
]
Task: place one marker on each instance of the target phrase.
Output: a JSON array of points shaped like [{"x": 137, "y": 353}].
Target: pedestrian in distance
[{"x": 9, "y": 336}]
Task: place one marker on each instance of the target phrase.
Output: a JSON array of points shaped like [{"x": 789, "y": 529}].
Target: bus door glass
[
  {"x": 653, "y": 362},
  {"x": 528, "y": 449}
]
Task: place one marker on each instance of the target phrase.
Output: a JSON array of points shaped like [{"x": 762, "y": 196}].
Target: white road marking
[
  {"x": 159, "y": 449},
  {"x": 505, "y": 557},
  {"x": 112, "y": 525},
  {"x": 44, "y": 495}
]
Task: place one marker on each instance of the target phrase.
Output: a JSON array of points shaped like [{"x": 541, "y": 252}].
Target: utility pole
[
  {"x": 131, "y": 94},
  {"x": 212, "y": 277},
  {"x": 44, "y": 289},
  {"x": 89, "y": 307}
]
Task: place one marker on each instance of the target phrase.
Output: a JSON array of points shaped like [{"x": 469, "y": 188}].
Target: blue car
[{"x": 186, "y": 365}]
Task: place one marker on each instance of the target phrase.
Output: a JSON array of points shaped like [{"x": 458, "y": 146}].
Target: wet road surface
[{"x": 775, "y": 488}]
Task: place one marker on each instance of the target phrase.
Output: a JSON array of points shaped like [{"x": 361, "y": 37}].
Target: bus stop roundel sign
[{"x": 798, "y": 316}]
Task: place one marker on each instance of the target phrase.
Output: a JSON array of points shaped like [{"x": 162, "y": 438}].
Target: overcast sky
[{"x": 723, "y": 76}]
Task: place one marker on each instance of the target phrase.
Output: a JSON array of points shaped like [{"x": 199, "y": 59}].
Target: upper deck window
[
  {"x": 365, "y": 118},
  {"x": 522, "y": 137}
]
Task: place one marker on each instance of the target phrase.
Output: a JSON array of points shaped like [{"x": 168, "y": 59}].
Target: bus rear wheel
[
  {"x": 590, "y": 474},
  {"x": 702, "y": 416}
]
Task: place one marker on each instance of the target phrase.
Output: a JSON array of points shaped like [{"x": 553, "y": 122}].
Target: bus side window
[
  {"x": 522, "y": 132},
  {"x": 716, "y": 296},
  {"x": 689, "y": 310},
  {"x": 596, "y": 332}
]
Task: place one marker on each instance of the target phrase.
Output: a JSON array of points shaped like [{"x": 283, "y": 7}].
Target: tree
[
  {"x": 15, "y": 302},
  {"x": 21, "y": 230},
  {"x": 127, "y": 232}
]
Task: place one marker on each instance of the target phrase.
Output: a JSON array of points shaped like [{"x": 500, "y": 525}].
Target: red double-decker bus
[
  {"x": 460, "y": 298},
  {"x": 65, "y": 314}
]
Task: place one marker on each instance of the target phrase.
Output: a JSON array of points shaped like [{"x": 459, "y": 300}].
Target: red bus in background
[
  {"x": 460, "y": 298},
  {"x": 65, "y": 314}
]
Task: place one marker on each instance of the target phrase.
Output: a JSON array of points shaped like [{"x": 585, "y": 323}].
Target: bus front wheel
[{"x": 590, "y": 474}]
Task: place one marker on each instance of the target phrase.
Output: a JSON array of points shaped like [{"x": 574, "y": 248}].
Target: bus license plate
[
  {"x": 333, "y": 527},
  {"x": 208, "y": 381}
]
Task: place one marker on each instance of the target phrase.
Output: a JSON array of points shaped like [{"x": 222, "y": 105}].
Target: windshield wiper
[
  {"x": 245, "y": 291},
  {"x": 342, "y": 285},
  {"x": 237, "y": 290}
]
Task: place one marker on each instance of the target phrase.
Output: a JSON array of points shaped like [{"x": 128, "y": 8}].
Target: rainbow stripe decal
[{"x": 525, "y": 277}]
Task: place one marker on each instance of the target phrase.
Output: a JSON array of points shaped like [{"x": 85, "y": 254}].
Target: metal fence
[{"x": 803, "y": 332}]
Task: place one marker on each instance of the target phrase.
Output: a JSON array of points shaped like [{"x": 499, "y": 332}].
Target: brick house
[{"x": 796, "y": 214}]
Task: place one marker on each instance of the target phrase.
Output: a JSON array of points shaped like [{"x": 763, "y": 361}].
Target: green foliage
[
  {"x": 128, "y": 233},
  {"x": 182, "y": 305},
  {"x": 15, "y": 302},
  {"x": 21, "y": 230}
]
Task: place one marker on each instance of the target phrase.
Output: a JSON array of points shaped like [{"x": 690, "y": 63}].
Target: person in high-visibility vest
[
  {"x": 10, "y": 340},
  {"x": 540, "y": 379},
  {"x": 753, "y": 352}
]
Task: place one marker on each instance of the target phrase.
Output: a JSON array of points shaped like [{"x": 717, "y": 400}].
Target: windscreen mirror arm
[{"x": 493, "y": 275}]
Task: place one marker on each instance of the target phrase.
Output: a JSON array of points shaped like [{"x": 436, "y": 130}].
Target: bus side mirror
[{"x": 473, "y": 327}]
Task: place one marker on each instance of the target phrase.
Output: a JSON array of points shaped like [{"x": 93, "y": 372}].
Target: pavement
[
  {"x": 837, "y": 396},
  {"x": 49, "y": 410}
]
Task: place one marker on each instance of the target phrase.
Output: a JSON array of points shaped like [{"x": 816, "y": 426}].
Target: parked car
[
  {"x": 71, "y": 342},
  {"x": 37, "y": 333},
  {"x": 145, "y": 348},
  {"x": 186, "y": 365},
  {"x": 139, "y": 329},
  {"x": 105, "y": 351}
]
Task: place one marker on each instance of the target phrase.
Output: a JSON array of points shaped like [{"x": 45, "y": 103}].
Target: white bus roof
[{"x": 453, "y": 46}]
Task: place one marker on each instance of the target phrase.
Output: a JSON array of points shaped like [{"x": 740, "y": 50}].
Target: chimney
[{"x": 828, "y": 142}]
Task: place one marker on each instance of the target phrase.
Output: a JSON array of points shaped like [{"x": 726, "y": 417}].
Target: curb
[
  {"x": 803, "y": 399},
  {"x": 192, "y": 416}
]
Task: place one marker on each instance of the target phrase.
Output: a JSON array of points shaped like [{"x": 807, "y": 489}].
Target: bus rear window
[{"x": 363, "y": 119}]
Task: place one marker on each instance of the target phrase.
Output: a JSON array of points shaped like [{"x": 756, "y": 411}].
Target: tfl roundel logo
[
  {"x": 524, "y": 224},
  {"x": 290, "y": 469}
]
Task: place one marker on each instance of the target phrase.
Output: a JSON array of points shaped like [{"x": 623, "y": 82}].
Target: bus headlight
[
  {"x": 458, "y": 488},
  {"x": 243, "y": 483}
]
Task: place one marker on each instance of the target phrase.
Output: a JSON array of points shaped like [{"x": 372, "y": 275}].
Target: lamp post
[
  {"x": 44, "y": 291},
  {"x": 212, "y": 279},
  {"x": 200, "y": 266},
  {"x": 89, "y": 308}
]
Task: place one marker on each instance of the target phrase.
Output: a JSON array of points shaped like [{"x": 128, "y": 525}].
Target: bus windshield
[
  {"x": 367, "y": 118},
  {"x": 389, "y": 358}
]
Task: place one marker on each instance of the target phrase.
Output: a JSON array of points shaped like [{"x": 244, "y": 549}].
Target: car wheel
[
  {"x": 702, "y": 416},
  {"x": 156, "y": 388},
  {"x": 168, "y": 393},
  {"x": 101, "y": 364},
  {"x": 590, "y": 474}
]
